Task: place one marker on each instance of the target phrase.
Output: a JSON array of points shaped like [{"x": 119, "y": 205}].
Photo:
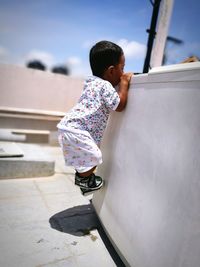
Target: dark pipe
[{"x": 152, "y": 33}]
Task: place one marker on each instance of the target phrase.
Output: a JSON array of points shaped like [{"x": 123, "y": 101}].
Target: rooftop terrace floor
[{"x": 27, "y": 238}]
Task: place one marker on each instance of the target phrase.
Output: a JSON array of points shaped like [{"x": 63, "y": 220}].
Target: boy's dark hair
[{"x": 103, "y": 55}]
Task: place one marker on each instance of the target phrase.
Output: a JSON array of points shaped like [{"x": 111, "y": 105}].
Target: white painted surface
[
  {"x": 38, "y": 90},
  {"x": 165, "y": 12},
  {"x": 150, "y": 205},
  {"x": 34, "y": 99}
]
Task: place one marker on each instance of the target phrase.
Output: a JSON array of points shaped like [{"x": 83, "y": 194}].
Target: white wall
[
  {"x": 34, "y": 99},
  {"x": 150, "y": 205},
  {"x": 21, "y": 87}
]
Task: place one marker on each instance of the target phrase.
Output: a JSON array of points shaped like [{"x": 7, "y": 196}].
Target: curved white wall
[{"x": 150, "y": 205}]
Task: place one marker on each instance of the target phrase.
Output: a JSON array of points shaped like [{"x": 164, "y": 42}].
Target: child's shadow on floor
[{"x": 79, "y": 221}]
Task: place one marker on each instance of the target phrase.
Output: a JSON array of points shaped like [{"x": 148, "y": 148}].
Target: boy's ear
[
  {"x": 108, "y": 74},
  {"x": 110, "y": 70}
]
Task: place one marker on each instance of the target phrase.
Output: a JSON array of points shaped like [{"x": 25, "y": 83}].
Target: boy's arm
[{"x": 123, "y": 90}]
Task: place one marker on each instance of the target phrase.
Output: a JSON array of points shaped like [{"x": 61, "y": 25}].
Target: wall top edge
[
  {"x": 176, "y": 67},
  {"x": 47, "y": 73},
  {"x": 185, "y": 72}
]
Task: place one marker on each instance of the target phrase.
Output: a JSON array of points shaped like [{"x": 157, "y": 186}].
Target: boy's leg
[
  {"x": 80, "y": 150},
  {"x": 87, "y": 173},
  {"x": 88, "y": 180}
]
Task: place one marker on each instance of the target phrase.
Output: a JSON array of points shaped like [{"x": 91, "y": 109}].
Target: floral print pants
[{"x": 79, "y": 150}]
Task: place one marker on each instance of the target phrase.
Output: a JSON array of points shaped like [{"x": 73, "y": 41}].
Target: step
[
  {"x": 18, "y": 160},
  {"x": 33, "y": 136}
]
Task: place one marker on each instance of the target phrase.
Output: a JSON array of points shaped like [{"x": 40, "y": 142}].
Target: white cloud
[
  {"x": 42, "y": 56},
  {"x": 74, "y": 61},
  {"x": 3, "y": 51},
  {"x": 132, "y": 49},
  {"x": 4, "y": 54},
  {"x": 78, "y": 67}
]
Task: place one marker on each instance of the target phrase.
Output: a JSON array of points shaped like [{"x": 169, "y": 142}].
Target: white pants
[{"x": 79, "y": 150}]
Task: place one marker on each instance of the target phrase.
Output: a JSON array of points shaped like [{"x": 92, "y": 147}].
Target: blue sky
[{"x": 61, "y": 32}]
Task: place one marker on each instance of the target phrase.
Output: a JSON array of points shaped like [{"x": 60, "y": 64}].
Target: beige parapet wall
[
  {"x": 34, "y": 89},
  {"x": 29, "y": 97},
  {"x": 150, "y": 205}
]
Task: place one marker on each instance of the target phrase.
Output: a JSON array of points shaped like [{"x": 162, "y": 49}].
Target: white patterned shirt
[{"x": 91, "y": 112}]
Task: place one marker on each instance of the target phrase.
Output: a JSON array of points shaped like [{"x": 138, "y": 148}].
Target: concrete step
[
  {"x": 24, "y": 160},
  {"x": 33, "y": 136},
  {"x": 25, "y": 135},
  {"x": 29, "y": 136}
]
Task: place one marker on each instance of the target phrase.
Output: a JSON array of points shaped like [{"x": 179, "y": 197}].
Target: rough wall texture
[{"x": 150, "y": 205}]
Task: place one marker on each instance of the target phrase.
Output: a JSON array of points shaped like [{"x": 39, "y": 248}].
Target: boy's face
[{"x": 118, "y": 71}]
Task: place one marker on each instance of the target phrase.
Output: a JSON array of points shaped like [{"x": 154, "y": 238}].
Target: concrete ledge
[
  {"x": 34, "y": 163},
  {"x": 33, "y": 136},
  {"x": 26, "y": 111},
  {"x": 21, "y": 118}
]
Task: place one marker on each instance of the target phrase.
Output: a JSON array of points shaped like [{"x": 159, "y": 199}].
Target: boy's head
[{"x": 107, "y": 61}]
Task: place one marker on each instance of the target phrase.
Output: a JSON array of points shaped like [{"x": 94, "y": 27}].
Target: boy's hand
[
  {"x": 123, "y": 90},
  {"x": 126, "y": 77}
]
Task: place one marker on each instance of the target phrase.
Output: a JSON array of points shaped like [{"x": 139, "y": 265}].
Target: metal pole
[
  {"x": 162, "y": 27},
  {"x": 152, "y": 33}
]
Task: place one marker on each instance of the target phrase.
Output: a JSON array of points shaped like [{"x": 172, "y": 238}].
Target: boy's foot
[
  {"x": 91, "y": 182},
  {"x": 88, "y": 191}
]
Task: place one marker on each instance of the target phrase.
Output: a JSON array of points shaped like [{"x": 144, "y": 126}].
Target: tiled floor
[{"x": 26, "y": 237}]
